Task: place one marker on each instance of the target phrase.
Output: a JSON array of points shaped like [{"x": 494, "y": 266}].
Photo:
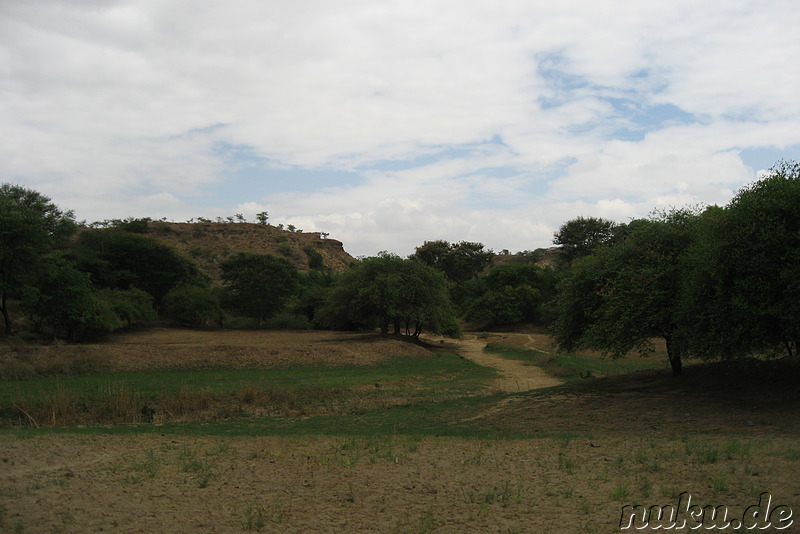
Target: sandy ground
[
  {"x": 642, "y": 443},
  {"x": 175, "y": 348},
  {"x": 516, "y": 376},
  {"x": 82, "y": 484}
]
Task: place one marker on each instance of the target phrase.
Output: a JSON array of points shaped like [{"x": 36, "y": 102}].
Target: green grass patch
[
  {"x": 445, "y": 418},
  {"x": 573, "y": 367},
  {"x": 145, "y": 396}
]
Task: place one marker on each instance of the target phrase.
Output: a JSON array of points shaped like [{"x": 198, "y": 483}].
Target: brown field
[
  {"x": 174, "y": 348},
  {"x": 723, "y": 433}
]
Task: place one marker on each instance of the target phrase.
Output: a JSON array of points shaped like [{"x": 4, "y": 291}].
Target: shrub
[{"x": 193, "y": 305}]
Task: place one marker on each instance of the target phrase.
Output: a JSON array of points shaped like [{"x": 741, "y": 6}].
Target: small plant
[
  {"x": 147, "y": 467},
  {"x": 736, "y": 449},
  {"x": 249, "y": 394},
  {"x": 719, "y": 485},
  {"x": 254, "y": 517},
  {"x": 478, "y": 458},
  {"x": 620, "y": 492},
  {"x": 646, "y": 488},
  {"x": 708, "y": 455},
  {"x": 566, "y": 463}
]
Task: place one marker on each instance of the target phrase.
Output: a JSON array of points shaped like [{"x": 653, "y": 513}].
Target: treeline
[
  {"x": 70, "y": 280},
  {"x": 719, "y": 282},
  {"x": 714, "y": 283}
]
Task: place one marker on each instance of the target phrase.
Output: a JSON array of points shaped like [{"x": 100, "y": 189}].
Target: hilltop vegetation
[{"x": 210, "y": 243}]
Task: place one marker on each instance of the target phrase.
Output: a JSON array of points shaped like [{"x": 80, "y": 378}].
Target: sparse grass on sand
[{"x": 405, "y": 441}]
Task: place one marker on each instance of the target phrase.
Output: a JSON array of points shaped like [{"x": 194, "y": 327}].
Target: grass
[
  {"x": 574, "y": 367},
  {"x": 147, "y": 397}
]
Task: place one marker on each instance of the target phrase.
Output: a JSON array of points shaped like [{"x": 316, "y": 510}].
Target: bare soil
[
  {"x": 516, "y": 376},
  {"x": 175, "y": 348},
  {"x": 168, "y": 483},
  {"x": 724, "y": 434}
]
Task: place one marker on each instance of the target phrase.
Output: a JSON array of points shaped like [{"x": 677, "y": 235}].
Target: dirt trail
[{"x": 516, "y": 375}]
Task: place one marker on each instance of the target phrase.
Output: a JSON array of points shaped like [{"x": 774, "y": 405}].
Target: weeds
[
  {"x": 254, "y": 517},
  {"x": 708, "y": 455},
  {"x": 566, "y": 463},
  {"x": 620, "y": 493}
]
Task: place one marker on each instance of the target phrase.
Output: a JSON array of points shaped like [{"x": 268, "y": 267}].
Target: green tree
[
  {"x": 315, "y": 288},
  {"x": 582, "y": 236},
  {"x": 59, "y": 296},
  {"x": 117, "y": 259},
  {"x": 511, "y": 293},
  {"x": 30, "y": 226},
  {"x": 623, "y": 295},
  {"x": 389, "y": 291},
  {"x": 259, "y": 285},
  {"x": 193, "y": 305},
  {"x": 745, "y": 288},
  {"x": 458, "y": 261},
  {"x": 131, "y": 306}
]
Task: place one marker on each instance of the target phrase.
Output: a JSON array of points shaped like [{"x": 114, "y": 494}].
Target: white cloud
[{"x": 110, "y": 107}]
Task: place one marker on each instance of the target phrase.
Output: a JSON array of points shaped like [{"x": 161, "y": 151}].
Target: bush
[
  {"x": 193, "y": 305},
  {"x": 315, "y": 259},
  {"x": 288, "y": 321},
  {"x": 240, "y": 323}
]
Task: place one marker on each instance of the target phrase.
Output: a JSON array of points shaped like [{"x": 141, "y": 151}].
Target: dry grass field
[{"x": 485, "y": 457}]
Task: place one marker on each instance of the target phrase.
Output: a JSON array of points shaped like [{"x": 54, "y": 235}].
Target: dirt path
[{"x": 516, "y": 375}]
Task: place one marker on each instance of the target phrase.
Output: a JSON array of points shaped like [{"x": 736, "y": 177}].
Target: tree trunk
[
  {"x": 674, "y": 355},
  {"x": 384, "y": 327},
  {"x": 6, "y": 316},
  {"x": 417, "y": 330}
]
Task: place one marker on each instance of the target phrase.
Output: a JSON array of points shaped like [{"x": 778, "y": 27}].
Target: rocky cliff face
[{"x": 211, "y": 243}]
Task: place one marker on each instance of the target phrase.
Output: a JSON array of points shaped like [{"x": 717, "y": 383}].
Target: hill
[{"x": 211, "y": 243}]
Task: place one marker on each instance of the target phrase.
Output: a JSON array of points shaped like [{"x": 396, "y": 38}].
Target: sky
[{"x": 390, "y": 123}]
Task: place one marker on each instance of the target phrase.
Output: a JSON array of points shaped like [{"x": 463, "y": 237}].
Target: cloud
[{"x": 398, "y": 121}]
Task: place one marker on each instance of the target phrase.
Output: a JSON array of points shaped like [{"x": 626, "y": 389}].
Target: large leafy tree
[
  {"x": 458, "y": 261},
  {"x": 389, "y": 291},
  {"x": 193, "y": 305},
  {"x": 511, "y": 293},
  {"x": 60, "y": 297},
  {"x": 30, "y": 225},
  {"x": 119, "y": 259},
  {"x": 619, "y": 298},
  {"x": 582, "y": 236},
  {"x": 745, "y": 284},
  {"x": 259, "y": 284}
]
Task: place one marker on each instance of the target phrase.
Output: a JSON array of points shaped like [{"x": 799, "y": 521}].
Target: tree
[
  {"x": 122, "y": 260},
  {"x": 389, "y": 291},
  {"x": 131, "y": 306},
  {"x": 510, "y": 293},
  {"x": 262, "y": 217},
  {"x": 259, "y": 284},
  {"x": 583, "y": 235},
  {"x": 60, "y": 296},
  {"x": 623, "y": 295},
  {"x": 315, "y": 259},
  {"x": 193, "y": 305},
  {"x": 458, "y": 261},
  {"x": 745, "y": 289},
  {"x": 30, "y": 226}
]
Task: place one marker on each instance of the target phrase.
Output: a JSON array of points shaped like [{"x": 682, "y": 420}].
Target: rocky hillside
[{"x": 211, "y": 243}]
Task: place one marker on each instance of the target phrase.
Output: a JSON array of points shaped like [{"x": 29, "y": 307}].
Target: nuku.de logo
[{"x": 686, "y": 515}]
